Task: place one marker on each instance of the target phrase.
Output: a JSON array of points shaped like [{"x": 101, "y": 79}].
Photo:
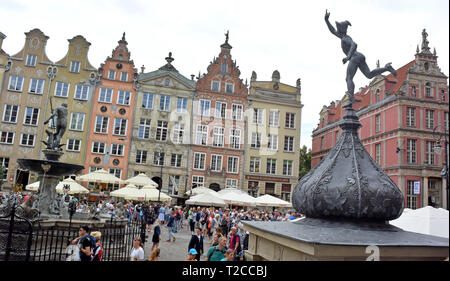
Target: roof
[{"x": 160, "y": 72}]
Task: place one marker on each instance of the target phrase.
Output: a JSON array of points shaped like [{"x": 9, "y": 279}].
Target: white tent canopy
[
  {"x": 236, "y": 198},
  {"x": 269, "y": 200},
  {"x": 231, "y": 189},
  {"x": 147, "y": 193},
  {"x": 200, "y": 190},
  {"x": 141, "y": 180},
  {"x": 33, "y": 186},
  {"x": 75, "y": 188},
  {"x": 206, "y": 199},
  {"x": 100, "y": 176},
  {"x": 426, "y": 220},
  {"x": 121, "y": 192}
]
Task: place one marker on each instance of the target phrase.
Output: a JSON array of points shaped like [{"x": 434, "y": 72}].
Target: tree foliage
[{"x": 304, "y": 161}]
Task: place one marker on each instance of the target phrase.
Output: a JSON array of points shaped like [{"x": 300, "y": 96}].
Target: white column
[
  {"x": 425, "y": 192},
  {"x": 444, "y": 193}
]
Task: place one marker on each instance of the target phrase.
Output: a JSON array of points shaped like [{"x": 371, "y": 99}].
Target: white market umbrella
[
  {"x": 200, "y": 190},
  {"x": 206, "y": 199},
  {"x": 33, "y": 186},
  {"x": 240, "y": 199},
  {"x": 75, "y": 188},
  {"x": 141, "y": 180},
  {"x": 426, "y": 220},
  {"x": 147, "y": 193},
  {"x": 121, "y": 192},
  {"x": 231, "y": 189},
  {"x": 100, "y": 176},
  {"x": 271, "y": 201}
]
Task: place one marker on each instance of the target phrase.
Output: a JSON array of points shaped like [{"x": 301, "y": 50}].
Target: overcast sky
[{"x": 290, "y": 36}]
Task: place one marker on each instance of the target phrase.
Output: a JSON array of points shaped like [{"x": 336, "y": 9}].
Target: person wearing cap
[{"x": 191, "y": 255}]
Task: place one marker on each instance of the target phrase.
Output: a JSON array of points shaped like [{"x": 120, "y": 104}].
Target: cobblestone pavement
[{"x": 173, "y": 251}]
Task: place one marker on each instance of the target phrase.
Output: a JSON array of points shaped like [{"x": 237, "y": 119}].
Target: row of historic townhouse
[
  {"x": 404, "y": 118},
  {"x": 182, "y": 132}
]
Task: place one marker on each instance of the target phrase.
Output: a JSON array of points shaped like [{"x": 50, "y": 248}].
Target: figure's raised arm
[{"x": 330, "y": 27}]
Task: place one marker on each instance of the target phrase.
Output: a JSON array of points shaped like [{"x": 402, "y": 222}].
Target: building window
[
  {"x": 221, "y": 108},
  {"x": 161, "y": 131},
  {"x": 176, "y": 160},
  {"x": 442, "y": 95},
  {"x": 204, "y": 107},
  {"x": 428, "y": 90},
  {"x": 218, "y": 137},
  {"x": 202, "y": 135},
  {"x": 31, "y": 60},
  {"x": 411, "y": 198},
  {"x": 236, "y": 111},
  {"x": 117, "y": 149},
  {"x": 290, "y": 120},
  {"x": 446, "y": 120},
  {"x": 75, "y": 66},
  {"x": 233, "y": 164},
  {"x": 141, "y": 156},
  {"x": 377, "y": 95},
  {"x": 231, "y": 183},
  {"x": 413, "y": 91},
  {"x": 378, "y": 153},
  {"x": 255, "y": 163},
  {"x": 27, "y": 140},
  {"x": 272, "y": 142},
  {"x": 164, "y": 103},
  {"x": 216, "y": 162},
  {"x": 7, "y": 138},
  {"x": 111, "y": 75},
  {"x": 182, "y": 105},
  {"x": 15, "y": 83},
  {"x": 224, "y": 67},
  {"x": 286, "y": 192},
  {"x": 123, "y": 97},
  {"x": 81, "y": 92},
  {"x": 199, "y": 161},
  {"x": 410, "y": 116},
  {"x": 235, "y": 138},
  {"x": 229, "y": 88},
  {"x": 288, "y": 144},
  {"x": 256, "y": 140},
  {"x": 270, "y": 188},
  {"x": 258, "y": 115},
  {"x": 322, "y": 142},
  {"x": 73, "y": 145},
  {"x": 4, "y": 163},
  {"x": 166, "y": 82},
  {"x": 36, "y": 86},
  {"x": 124, "y": 76},
  {"x": 377, "y": 123},
  {"x": 61, "y": 89},
  {"x": 144, "y": 128},
  {"x": 429, "y": 153},
  {"x": 116, "y": 172},
  {"x": 77, "y": 121},
  {"x": 287, "y": 167},
  {"x": 429, "y": 119},
  {"x": 198, "y": 181},
  {"x": 274, "y": 118},
  {"x": 411, "y": 151},
  {"x": 120, "y": 126},
  {"x": 158, "y": 158},
  {"x": 10, "y": 113},
  {"x": 271, "y": 166},
  {"x": 215, "y": 86},
  {"x": 147, "y": 100},
  {"x": 98, "y": 147},
  {"x": 105, "y": 95},
  {"x": 31, "y": 116},
  {"x": 174, "y": 184},
  {"x": 177, "y": 133}
]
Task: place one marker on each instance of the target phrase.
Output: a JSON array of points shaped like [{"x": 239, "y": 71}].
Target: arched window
[
  {"x": 427, "y": 66},
  {"x": 428, "y": 92}
]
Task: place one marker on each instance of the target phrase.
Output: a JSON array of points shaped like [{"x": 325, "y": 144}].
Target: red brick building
[
  {"x": 401, "y": 119},
  {"x": 111, "y": 121},
  {"x": 218, "y": 125}
]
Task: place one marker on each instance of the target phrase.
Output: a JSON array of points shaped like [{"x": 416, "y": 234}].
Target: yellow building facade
[
  {"x": 272, "y": 150},
  {"x": 161, "y": 134},
  {"x": 73, "y": 84}
]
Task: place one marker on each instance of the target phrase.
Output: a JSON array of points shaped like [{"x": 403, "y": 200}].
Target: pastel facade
[
  {"x": 399, "y": 115},
  {"x": 273, "y": 137},
  {"x": 24, "y": 93},
  {"x": 111, "y": 121},
  {"x": 161, "y": 137},
  {"x": 219, "y": 125}
]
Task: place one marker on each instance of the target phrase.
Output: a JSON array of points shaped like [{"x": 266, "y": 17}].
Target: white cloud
[{"x": 290, "y": 36}]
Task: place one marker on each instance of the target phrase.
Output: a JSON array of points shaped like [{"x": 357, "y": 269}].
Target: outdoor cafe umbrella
[
  {"x": 100, "y": 176},
  {"x": 121, "y": 192},
  {"x": 147, "y": 193},
  {"x": 269, "y": 200},
  {"x": 75, "y": 188},
  {"x": 206, "y": 199},
  {"x": 33, "y": 186},
  {"x": 200, "y": 190},
  {"x": 240, "y": 199},
  {"x": 141, "y": 180},
  {"x": 230, "y": 189}
]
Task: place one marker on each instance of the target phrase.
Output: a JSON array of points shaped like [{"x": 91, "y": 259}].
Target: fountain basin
[{"x": 55, "y": 168}]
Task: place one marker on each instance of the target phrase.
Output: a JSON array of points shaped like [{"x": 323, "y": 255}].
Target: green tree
[{"x": 305, "y": 161}]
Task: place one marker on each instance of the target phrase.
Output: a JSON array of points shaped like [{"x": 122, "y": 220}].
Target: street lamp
[
  {"x": 161, "y": 162},
  {"x": 438, "y": 150}
]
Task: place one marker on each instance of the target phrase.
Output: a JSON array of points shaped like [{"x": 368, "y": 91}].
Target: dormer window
[
  {"x": 75, "y": 66},
  {"x": 224, "y": 67},
  {"x": 31, "y": 60}
]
